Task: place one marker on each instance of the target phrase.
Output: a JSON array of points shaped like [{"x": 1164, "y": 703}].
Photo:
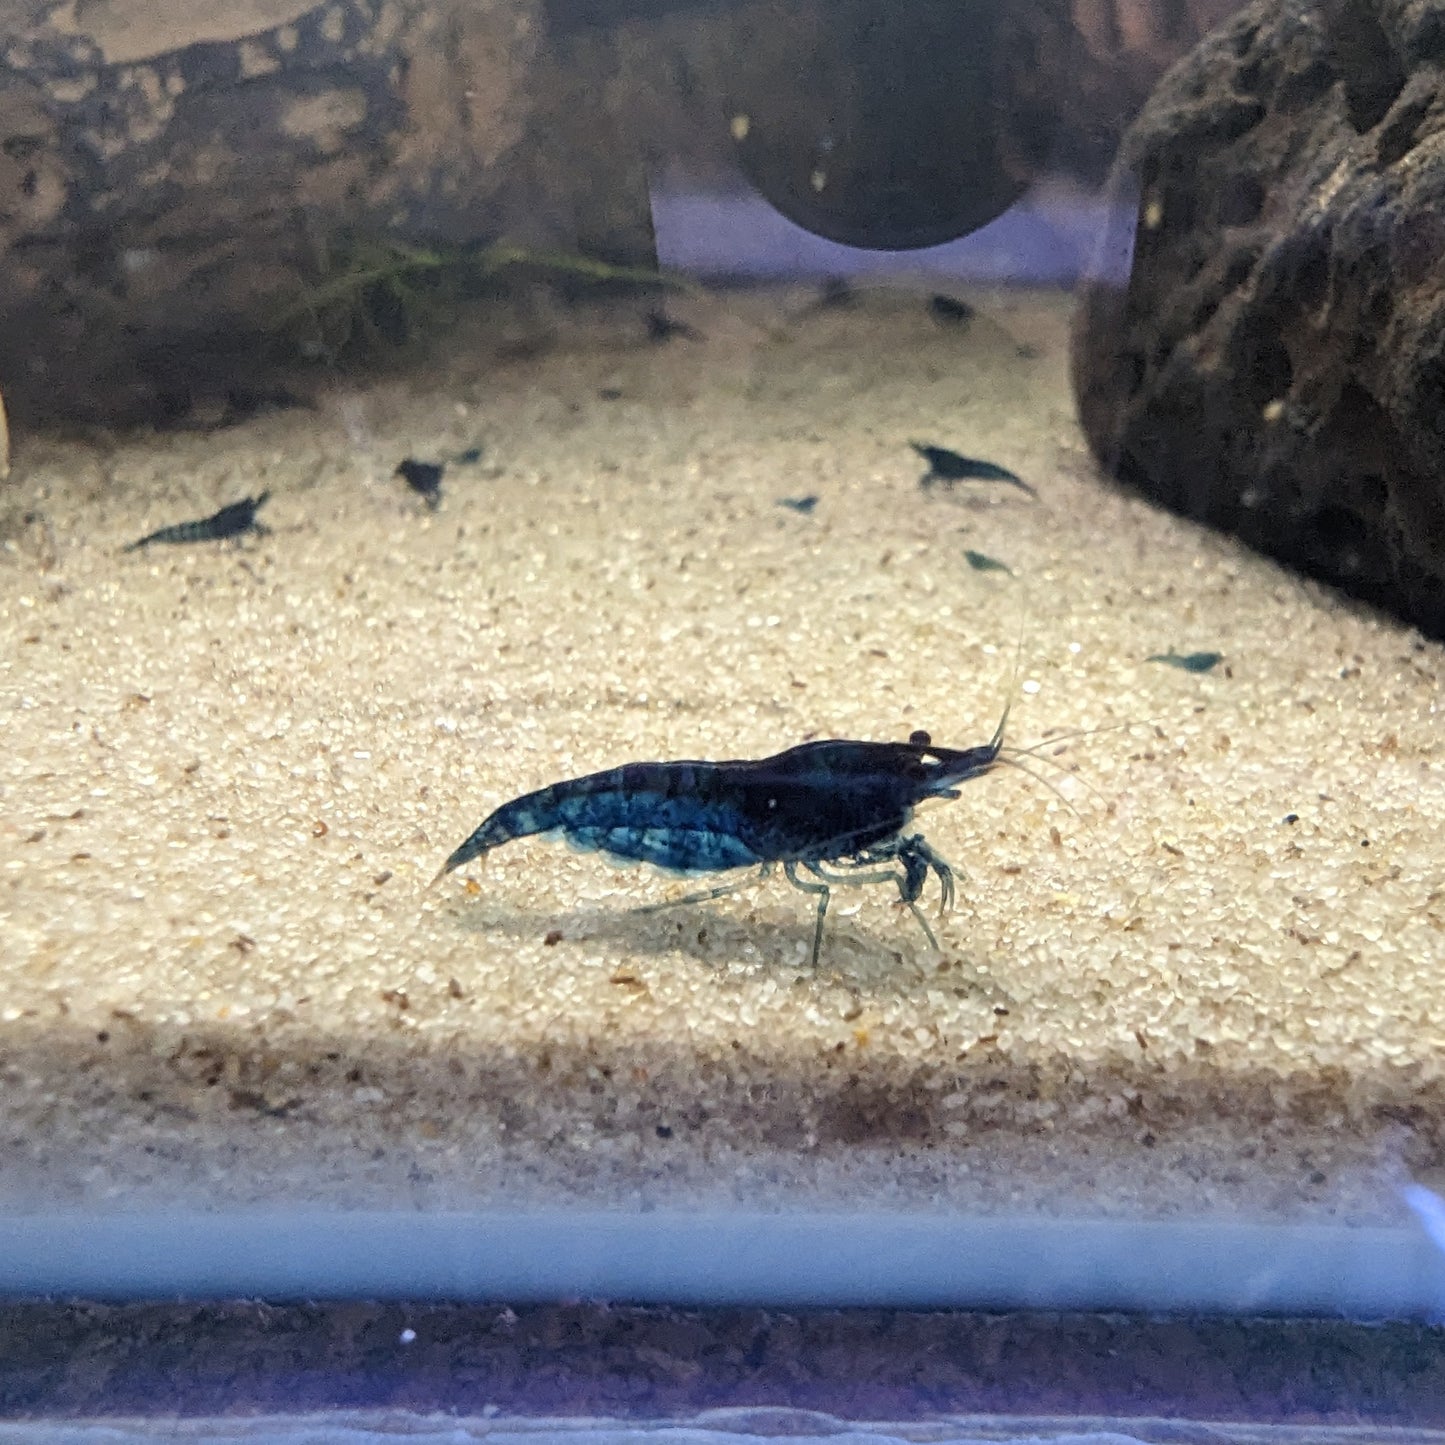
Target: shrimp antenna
[
  {"x": 1012, "y": 756},
  {"x": 996, "y": 741},
  {"x": 1072, "y": 734},
  {"x": 1052, "y": 787}
]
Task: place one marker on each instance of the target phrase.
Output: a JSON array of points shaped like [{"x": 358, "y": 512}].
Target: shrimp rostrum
[{"x": 830, "y": 813}]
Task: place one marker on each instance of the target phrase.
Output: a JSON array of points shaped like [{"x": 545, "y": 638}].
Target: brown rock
[
  {"x": 1275, "y": 365},
  {"x": 170, "y": 175}
]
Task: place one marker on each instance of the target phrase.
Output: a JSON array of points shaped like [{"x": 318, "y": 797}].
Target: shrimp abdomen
[{"x": 673, "y": 815}]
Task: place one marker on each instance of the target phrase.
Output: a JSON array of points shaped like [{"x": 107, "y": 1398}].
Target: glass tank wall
[{"x": 1000, "y": 441}]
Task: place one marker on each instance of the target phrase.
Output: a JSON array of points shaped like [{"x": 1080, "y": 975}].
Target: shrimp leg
[
  {"x": 823, "y": 892},
  {"x": 909, "y": 886},
  {"x": 706, "y": 895}
]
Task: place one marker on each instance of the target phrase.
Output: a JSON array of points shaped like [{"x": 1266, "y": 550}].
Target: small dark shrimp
[
  {"x": 1187, "y": 661},
  {"x": 424, "y": 478},
  {"x": 230, "y": 521},
  {"x": 949, "y": 310},
  {"x": 662, "y": 328},
  {"x": 836, "y": 802},
  {"x": 950, "y": 466}
]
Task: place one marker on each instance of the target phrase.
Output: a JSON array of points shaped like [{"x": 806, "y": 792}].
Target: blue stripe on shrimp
[
  {"x": 677, "y": 850},
  {"x": 660, "y": 814},
  {"x": 640, "y": 813}
]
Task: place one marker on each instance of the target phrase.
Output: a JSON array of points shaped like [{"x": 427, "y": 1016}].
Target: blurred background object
[{"x": 174, "y": 178}]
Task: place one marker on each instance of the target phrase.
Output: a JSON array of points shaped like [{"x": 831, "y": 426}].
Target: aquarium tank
[{"x": 721, "y": 717}]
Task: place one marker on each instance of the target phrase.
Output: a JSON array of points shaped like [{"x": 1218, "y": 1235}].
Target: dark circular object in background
[{"x": 886, "y": 132}]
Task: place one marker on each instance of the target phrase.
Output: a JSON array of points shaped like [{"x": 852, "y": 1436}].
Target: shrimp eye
[{"x": 920, "y": 739}]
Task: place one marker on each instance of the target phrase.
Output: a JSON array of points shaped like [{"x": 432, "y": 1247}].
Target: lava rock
[{"x": 1275, "y": 363}]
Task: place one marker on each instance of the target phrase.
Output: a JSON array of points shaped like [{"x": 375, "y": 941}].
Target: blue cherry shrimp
[{"x": 831, "y": 813}]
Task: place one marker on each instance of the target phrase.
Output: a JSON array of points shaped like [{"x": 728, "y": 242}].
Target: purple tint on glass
[{"x": 1055, "y": 236}]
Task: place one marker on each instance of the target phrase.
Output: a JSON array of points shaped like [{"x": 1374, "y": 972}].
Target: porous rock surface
[{"x": 1275, "y": 365}]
